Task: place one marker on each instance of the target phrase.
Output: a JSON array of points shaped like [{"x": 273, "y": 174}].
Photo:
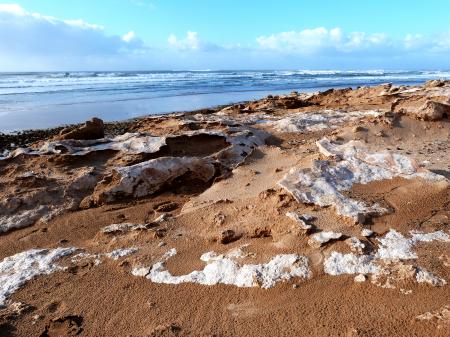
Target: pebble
[
  {"x": 366, "y": 232},
  {"x": 360, "y": 278}
]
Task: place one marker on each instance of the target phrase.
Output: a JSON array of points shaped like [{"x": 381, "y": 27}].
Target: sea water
[{"x": 41, "y": 100}]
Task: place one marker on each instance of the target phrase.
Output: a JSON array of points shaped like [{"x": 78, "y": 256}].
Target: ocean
[{"x": 42, "y": 100}]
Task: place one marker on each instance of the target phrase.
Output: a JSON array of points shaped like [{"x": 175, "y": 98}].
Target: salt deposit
[
  {"x": 22, "y": 219},
  {"x": 396, "y": 246},
  {"x": 118, "y": 253},
  {"x": 424, "y": 276},
  {"x": 338, "y": 264},
  {"x": 122, "y": 228},
  {"x": 20, "y": 268},
  {"x": 320, "y": 120},
  {"x": 321, "y": 184},
  {"x": 393, "y": 248},
  {"x": 222, "y": 269},
  {"x": 319, "y": 239}
]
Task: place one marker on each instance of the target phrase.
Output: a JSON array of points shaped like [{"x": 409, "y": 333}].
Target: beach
[{"x": 316, "y": 212}]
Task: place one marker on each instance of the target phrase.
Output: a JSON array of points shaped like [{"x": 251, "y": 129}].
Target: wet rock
[{"x": 92, "y": 129}]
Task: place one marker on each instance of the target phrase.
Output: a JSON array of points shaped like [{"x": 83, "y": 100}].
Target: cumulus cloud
[
  {"x": 310, "y": 41},
  {"x": 33, "y": 41},
  {"x": 130, "y": 36},
  {"x": 39, "y": 39},
  {"x": 191, "y": 42}
]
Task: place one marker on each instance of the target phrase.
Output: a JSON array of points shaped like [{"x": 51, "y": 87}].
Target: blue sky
[{"x": 224, "y": 34}]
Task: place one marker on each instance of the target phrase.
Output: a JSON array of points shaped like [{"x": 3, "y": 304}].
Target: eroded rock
[{"x": 350, "y": 163}]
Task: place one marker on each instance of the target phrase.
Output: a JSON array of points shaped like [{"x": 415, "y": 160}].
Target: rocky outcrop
[
  {"x": 348, "y": 164},
  {"x": 432, "y": 111},
  {"x": 92, "y": 129}
]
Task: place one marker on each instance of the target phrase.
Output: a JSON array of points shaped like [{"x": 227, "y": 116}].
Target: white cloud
[
  {"x": 191, "y": 42},
  {"x": 12, "y": 9},
  {"x": 310, "y": 41},
  {"x": 130, "y": 36},
  {"x": 35, "y": 40}
]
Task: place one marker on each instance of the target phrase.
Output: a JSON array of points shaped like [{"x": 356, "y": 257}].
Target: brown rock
[
  {"x": 433, "y": 111},
  {"x": 93, "y": 129},
  {"x": 434, "y": 83},
  {"x": 166, "y": 206},
  {"x": 228, "y": 236}
]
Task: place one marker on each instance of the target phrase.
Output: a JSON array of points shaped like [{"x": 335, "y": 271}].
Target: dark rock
[{"x": 93, "y": 129}]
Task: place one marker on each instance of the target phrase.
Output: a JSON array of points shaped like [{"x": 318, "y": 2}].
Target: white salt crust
[
  {"x": 147, "y": 177},
  {"x": 393, "y": 247},
  {"x": 118, "y": 253},
  {"x": 320, "y": 120},
  {"x": 352, "y": 164},
  {"x": 123, "y": 228},
  {"x": 424, "y": 276},
  {"x": 224, "y": 269},
  {"x": 114, "y": 255},
  {"x": 20, "y": 268},
  {"x": 22, "y": 219},
  {"x": 366, "y": 232},
  {"x": 319, "y": 239},
  {"x": 41, "y": 206},
  {"x": 131, "y": 143}
]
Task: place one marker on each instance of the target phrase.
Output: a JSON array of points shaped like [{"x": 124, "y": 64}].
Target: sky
[{"x": 47, "y": 35}]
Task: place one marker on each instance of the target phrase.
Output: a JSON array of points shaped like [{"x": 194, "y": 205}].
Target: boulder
[
  {"x": 433, "y": 111},
  {"x": 435, "y": 83},
  {"x": 93, "y": 129}
]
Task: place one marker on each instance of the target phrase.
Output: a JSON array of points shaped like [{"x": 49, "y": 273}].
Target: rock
[
  {"x": 166, "y": 206},
  {"x": 358, "y": 128},
  {"x": 219, "y": 219},
  {"x": 160, "y": 233},
  {"x": 14, "y": 311},
  {"x": 355, "y": 245},
  {"x": 299, "y": 219},
  {"x": 228, "y": 236},
  {"x": 366, "y": 232},
  {"x": 360, "y": 278},
  {"x": 432, "y": 111},
  {"x": 262, "y": 233},
  {"x": 93, "y": 129},
  {"x": 319, "y": 239},
  {"x": 435, "y": 83},
  {"x": 64, "y": 326}
]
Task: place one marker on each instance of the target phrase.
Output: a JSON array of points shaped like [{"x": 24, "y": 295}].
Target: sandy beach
[{"x": 304, "y": 214}]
